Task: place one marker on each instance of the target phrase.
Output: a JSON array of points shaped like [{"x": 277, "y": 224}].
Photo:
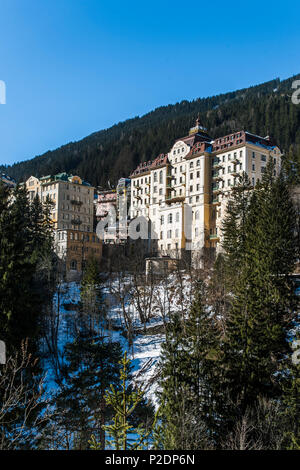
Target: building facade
[
  {"x": 184, "y": 193},
  {"x": 75, "y": 247},
  {"x": 71, "y": 199},
  {"x": 71, "y": 202}
]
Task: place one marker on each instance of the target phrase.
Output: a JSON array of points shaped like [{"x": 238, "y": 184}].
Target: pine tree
[
  {"x": 92, "y": 365},
  {"x": 92, "y": 302},
  {"x": 125, "y": 401},
  {"x": 262, "y": 301},
  {"x": 290, "y": 399},
  {"x": 234, "y": 228},
  {"x": 187, "y": 377}
]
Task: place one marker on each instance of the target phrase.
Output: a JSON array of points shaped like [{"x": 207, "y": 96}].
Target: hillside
[{"x": 114, "y": 152}]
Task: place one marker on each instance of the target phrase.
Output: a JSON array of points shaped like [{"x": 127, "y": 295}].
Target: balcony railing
[
  {"x": 75, "y": 202},
  {"x": 76, "y": 222},
  {"x": 214, "y": 236},
  {"x": 216, "y": 163}
]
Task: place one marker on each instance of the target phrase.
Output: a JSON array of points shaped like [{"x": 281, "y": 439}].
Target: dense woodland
[
  {"x": 107, "y": 155},
  {"x": 228, "y": 372}
]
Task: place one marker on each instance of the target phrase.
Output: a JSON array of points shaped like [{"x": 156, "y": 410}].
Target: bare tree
[{"x": 20, "y": 402}]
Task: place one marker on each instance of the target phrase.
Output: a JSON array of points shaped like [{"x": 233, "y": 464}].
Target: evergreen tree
[
  {"x": 92, "y": 302},
  {"x": 125, "y": 401},
  {"x": 290, "y": 399},
  {"x": 234, "y": 228},
  {"x": 92, "y": 365},
  {"x": 262, "y": 301},
  {"x": 187, "y": 377}
]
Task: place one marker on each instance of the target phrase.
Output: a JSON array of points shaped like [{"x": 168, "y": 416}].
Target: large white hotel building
[{"x": 183, "y": 193}]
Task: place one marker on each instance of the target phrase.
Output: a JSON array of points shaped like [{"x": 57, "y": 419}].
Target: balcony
[
  {"x": 217, "y": 164},
  {"x": 76, "y": 203},
  {"x": 214, "y": 237},
  {"x": 76, "y": 222},
  {"x": 217, "y": 177},
  {"x": 216, "y": 202},
  {"x": 235, "y": 172},
  {"x": 216, "y": 189},
  {"x": 170, "y": 199}
]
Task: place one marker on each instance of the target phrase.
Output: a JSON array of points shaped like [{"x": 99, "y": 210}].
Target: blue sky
[{"x": 72, "y": 67}]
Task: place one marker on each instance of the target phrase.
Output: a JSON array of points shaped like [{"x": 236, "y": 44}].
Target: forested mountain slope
[{"x": 114, "y": 152}]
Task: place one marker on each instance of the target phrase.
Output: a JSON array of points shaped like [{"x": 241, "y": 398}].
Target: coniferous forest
[
  {"x": 107, "y": 155},
  {"x": 227, "y": 376},
  {"x": 149, "y": 231}
]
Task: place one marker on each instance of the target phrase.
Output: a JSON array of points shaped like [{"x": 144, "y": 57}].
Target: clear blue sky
[{"x": 73, "y": 67}]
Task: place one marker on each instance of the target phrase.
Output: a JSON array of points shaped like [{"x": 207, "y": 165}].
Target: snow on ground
[{"x": 146, "y": 347}]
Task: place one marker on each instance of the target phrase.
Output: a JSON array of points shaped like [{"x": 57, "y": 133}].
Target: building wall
[
  {"x": 185, "y": 198},
  {"x": 75, "y": 247},
  {"x": 72, "y": 201}
]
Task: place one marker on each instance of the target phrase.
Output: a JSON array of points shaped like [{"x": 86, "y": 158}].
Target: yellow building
[{"x": 72, "y": 200}]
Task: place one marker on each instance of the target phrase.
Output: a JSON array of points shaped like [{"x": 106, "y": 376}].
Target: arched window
[
  {"x": 196, "y": 215},
  {"x": 73, "y": 265}
]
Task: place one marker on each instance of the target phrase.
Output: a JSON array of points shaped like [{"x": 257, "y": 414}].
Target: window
[
  {"x": 263, "y": 158},
  {"x": 176, "y": 233},
  {"x": 160, "y": 191},
  {"x": 170, "y": 218},
  {"x": 197, "y": 215},
  {"x": 198, "y": 174},
  {"x": 196, "y": 232},
  {"x": 177, "y": 216},
  {"x": 155, "y": 177},
  {"x": 160, "y": 176},
  {"x": 162, "y": 220},
  {"x": 169, "y": 234},
  {"x": 253, "y": 154},
  {"x": 198, "y": 187},
  {"x": 198, "y": 163},
  {"x": 191, "y": 164},
  {"x": 191, "y": 176},
  {"x": 253, "y": 181},
  {"x": 253, "y": 167},
  {"x": 155, "y": 189},
  {"x": 73, "y": 264}
]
